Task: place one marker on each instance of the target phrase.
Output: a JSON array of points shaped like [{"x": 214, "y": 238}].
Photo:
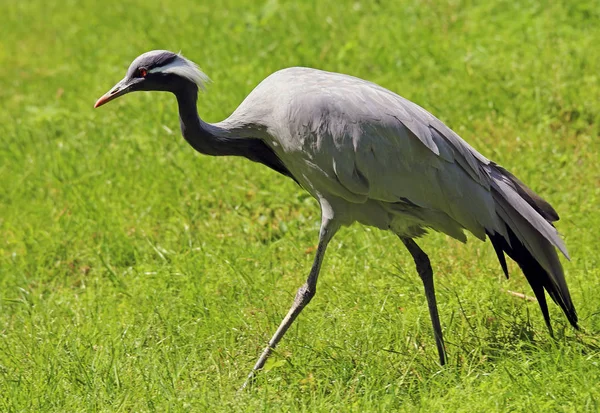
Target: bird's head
[{"x": 157, "y": 70}]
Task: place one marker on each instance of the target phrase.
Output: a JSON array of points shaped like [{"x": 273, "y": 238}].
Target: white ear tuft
[{"x": 185, "y": 68}]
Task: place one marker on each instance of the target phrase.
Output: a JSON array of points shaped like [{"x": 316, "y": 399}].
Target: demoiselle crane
[{"x": 368, "y": 155}]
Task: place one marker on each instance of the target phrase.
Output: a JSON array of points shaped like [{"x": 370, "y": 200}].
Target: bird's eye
[{"x": 143, "y": 72}]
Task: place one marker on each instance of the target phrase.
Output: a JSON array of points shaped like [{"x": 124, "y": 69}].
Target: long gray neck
[{"x": 219, "y": 141}]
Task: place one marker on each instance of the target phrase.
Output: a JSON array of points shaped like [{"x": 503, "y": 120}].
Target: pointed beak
[{"x": 119, "y": 89}]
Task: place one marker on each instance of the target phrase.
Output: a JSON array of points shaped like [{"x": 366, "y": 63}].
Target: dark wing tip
[
  {"x": 538, "y": 278},
  {"x": 541, "y": 206},
  {"x": 497, "y": 241}
]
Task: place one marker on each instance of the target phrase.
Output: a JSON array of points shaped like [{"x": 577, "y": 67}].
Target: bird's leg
[
  {"x": 303, "y": 296},
  {"x": 426, "y": 273}
]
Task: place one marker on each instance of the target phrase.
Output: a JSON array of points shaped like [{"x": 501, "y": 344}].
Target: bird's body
[
  {"x": 375, "y": 157},
  {"x": 370, "y": 156},
  {"x": 378, "y": 158}
]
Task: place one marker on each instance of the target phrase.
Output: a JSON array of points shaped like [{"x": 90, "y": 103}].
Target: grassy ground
[{"x": 137, "y": 275}]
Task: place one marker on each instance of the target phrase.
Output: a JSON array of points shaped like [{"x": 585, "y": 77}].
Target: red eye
[{"x": 143, "y": 72}]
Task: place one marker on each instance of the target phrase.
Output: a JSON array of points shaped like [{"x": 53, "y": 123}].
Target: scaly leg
[
  {"x": 426, "y": 274},
  {"x": 303, "y": 296}
]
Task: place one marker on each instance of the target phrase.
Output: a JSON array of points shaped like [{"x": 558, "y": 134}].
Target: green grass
[{"x": 137, "y": 275}]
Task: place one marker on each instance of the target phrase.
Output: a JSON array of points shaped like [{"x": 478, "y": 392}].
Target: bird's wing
[{"x": 365, "y": 142}]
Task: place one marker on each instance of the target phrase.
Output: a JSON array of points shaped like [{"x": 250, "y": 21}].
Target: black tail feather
[
  {"x": 499, "y": 252},
  {"x": 538, "y": 290},
  {"x": 537, "y": 277}
]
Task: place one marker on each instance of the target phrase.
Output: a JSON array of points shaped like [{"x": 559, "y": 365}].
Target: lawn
[{"x": 137, "y": 275}]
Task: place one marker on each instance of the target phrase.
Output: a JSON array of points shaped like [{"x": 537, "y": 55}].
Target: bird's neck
[
  {"x": 217, "y": 140},
  {"x": 204, "y": 137}
]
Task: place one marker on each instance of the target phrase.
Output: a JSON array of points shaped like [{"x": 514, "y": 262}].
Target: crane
[{"x": 368, "y": 155}]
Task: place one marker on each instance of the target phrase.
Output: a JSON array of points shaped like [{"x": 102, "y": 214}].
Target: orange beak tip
[{"x": 100, "y": 102}]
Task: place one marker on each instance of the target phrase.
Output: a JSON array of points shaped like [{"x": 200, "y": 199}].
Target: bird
[{"x": 370, "y": 156}]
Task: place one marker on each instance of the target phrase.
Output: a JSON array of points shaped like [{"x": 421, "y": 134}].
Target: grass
[{"x": 137, "y": 275}]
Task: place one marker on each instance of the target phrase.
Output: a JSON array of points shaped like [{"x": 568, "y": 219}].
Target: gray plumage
[{"x": 369, "y": 155}]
